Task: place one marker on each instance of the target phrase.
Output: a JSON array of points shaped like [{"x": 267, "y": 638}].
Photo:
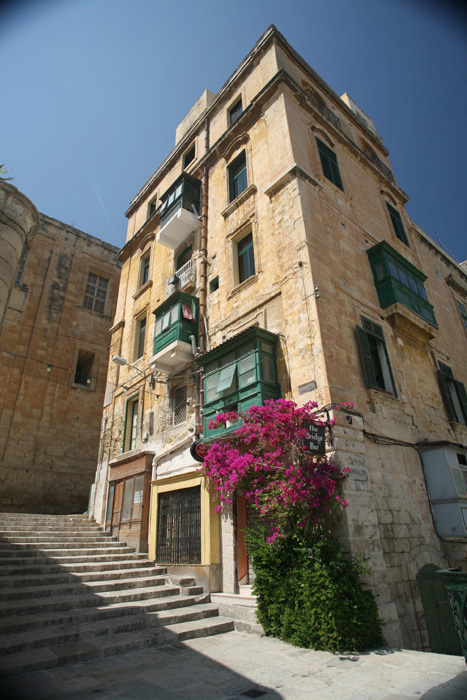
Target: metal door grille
[{"x": 179, "y": 527}]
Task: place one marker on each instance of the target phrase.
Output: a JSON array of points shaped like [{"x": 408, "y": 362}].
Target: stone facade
[
  {"x": 300, "y": 230},
  {"x": 54, "y": 348}
]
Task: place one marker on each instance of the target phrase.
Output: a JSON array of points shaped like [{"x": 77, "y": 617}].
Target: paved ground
[{"x": 237, "y": 665}]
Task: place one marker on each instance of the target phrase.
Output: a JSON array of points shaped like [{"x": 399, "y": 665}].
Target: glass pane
[
  {"x": 459, "y": 482},
  {"x": 421, "y": 290},
  {"x": 393, "y": 269},
  {"x": 178, "y": 191},
  {"x": 379, "y": 271},
  {"x": 226, "y": 377},
  {"x": 247, "y": 378},
  {"x": 158, "y": 326},
  {"x": 137, "y": 497},
  {"x": 268, "y": 369},
  {"x": 267, "y": 347},
  {"x": 174, "y": 314},
  {"x": 403, "y": 277},
  {"x": 227, "y": 359},
  {"x": 413, "y": 285},
  {"x": 246, "y": 364},
  {"x": 210, "y": 384},
  {"x": 127, "y": 499},
  {"x": 110, "y": 503},
  {"x": 165, "y": 320}
]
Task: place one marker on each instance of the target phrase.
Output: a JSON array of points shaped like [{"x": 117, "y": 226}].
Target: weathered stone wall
[{"x": 49, "y": 426}]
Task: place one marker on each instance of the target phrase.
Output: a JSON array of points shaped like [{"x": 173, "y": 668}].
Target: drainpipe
[{"x": 203, "y": 266}]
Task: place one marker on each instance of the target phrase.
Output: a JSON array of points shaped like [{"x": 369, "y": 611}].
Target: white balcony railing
[{"x": 184, "y": 276}]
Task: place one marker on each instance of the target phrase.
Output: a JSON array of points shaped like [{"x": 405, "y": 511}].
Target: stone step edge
[
  {"x": 143, "y": 620},
  {"x": 8, "y": 625},
  {"x": 38, "y": 659}
]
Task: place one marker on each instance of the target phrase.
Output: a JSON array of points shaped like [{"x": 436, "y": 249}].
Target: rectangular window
[
  {"x": 463, "y": 313},
  {"x": 179, "y": 405},
  {"x": 140, "y": 337},
  {"x": 179, "y": 526},
  {"x": 144, "y": 268},
  {"x": 238, "y": 181},
  {"x": 214, "y": 285},
  {"x": 132, "y": 498},
  {"x": 397, "y": 224},
  {"x": 245, "y": 258},
  {"x": 374, "y": 356},
  {"x": 83, "y": 370},
  {"x": 329, "y": 164},
  {"x": 131, "y": 424},
  {"x": 152, "y": 206},
  {"x": 454, "y": 394},
  {"x": 235, "y": 111},
  {"x": 189, "y": 157},
  {"x": 95, "y": 293}
]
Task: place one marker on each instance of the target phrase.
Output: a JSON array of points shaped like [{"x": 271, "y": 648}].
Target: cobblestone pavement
[{"x": 236, "y": 665}]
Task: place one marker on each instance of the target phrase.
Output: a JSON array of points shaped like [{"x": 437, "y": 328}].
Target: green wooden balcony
[{"x": 177, "y": 321}]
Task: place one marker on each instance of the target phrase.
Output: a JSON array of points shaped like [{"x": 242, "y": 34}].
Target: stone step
[
  {"x": 108, "y": 556},
  {"x": 78, "y": 616},
  {"x": 66, "y": 576},
  {"x": 79, "y": 589},
  {"x": 66, "y": 634},
  {"x": 43, "y": 567},
  {"x": 36, "y": 659},
  {"x": 52, "y": 603},
  {"x": 55, "y": 538},
  {"x": 24, "y": 527},
  {"x": 48, "y": 549}
]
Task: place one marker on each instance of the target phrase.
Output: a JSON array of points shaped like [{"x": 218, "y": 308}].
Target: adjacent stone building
[
  {"x": 270, "y": 255},
  {"x": 54, "y": 348}
]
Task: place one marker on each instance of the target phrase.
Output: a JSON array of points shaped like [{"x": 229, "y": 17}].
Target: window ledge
[
  {"x": 117, "y": 326},
  {"x": 85, "y": 387},
  {"x": 147, "y": 285},
  {"x": 246, "y": 194},
  {"x": 324, "y": 182},
  {"x": 379, "y": 394},
  {"x": 91, "y": 311},
  {"x": 240, "y": 287},
  {"x": 410, "y": 324}
]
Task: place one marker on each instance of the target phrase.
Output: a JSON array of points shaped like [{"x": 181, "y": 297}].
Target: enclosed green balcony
[
  {"x": 238, "y": 374},
  {"x": 398, "y": 281},
  {"x": 176, "y": 332},
  {"x": 179, "y": 211}
]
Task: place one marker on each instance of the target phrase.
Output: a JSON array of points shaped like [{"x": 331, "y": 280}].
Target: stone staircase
[{"x": 69, "y": 592}]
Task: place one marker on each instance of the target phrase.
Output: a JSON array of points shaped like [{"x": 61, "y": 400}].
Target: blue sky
[{"x": 93, "y": 90}]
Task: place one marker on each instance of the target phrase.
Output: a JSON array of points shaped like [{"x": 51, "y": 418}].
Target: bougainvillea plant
[{"x": 265, "y": 458}]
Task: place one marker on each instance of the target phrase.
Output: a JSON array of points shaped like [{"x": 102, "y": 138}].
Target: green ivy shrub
[{"x": 310, "y": 594}]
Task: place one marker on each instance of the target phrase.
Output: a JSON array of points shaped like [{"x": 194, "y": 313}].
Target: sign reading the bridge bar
[{"x": 315, "y": 440}]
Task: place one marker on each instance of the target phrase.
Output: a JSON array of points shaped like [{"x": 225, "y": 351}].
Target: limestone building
[
  {"x": 270, "y": 255},
  {"x": 54, "y": 346}
]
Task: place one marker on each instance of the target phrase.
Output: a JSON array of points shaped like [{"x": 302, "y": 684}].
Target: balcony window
[
  {"x": 239, "y": 374},
  {"x": 179, "y": 211},
  {"x": 398, "y": 281},
  {"x": 176, "y": 320}
]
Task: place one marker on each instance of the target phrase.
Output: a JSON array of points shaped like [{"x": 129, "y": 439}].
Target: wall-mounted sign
[
  {"x": 198, "y": 450},
  {"x": 315, "y": 441}
]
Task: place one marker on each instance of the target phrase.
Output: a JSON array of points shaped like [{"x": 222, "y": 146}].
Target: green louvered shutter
[
  {"x": 367, "y": 362},
  {"x": 461, "y": 393},
  {"x": 443, "y": 380}
]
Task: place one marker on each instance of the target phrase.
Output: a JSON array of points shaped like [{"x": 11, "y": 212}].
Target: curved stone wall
[{"x": 19, "y": 221}]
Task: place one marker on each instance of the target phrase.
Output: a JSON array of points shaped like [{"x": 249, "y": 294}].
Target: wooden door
[{"x": 117, "y": 508}]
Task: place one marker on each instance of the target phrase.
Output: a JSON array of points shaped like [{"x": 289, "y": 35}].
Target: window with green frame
[
  {"x": 374, "y": 356},
  {"x": 176, "y": 319},
  {"x": 238, "y": 181},
  {"x": 235, "y": 111},
  {"x": 245, "y": 258},
  {"x": 399, "y": 229},
  {"x": 454, "y": 394},
  {"x": 398, "y": 281},
  {"x": 239, "y": 374},
  {"x": 131, "y": 424},
  {"x": 329, "y": 164}
]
